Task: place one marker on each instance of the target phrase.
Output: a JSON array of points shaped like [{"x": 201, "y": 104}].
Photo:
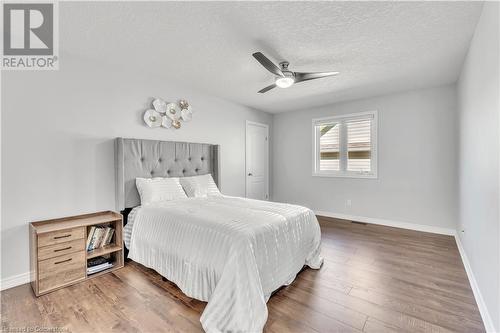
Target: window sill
[{"x": 346, "y": 175}]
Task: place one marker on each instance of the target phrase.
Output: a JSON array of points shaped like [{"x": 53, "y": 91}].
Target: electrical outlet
[{"x": 348, "y": 203}]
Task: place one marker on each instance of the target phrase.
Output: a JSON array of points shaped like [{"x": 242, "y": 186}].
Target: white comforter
[{"x": 232, "y": 252}]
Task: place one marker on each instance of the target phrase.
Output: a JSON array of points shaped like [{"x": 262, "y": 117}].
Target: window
[{"x": 346, "y": 146}]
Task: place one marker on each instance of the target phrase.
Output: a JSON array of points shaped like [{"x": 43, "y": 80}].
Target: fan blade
[
  {"x": 268, "y": 64},
  {"x": 299, "y": 77},
  {"x": 267, "y": 88}
]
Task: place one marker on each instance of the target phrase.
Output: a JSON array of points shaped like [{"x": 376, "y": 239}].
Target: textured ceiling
[{"x": 378, "y": 47}]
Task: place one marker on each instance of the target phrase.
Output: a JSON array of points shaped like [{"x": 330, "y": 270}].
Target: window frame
[{"x": 343, "y": 172}]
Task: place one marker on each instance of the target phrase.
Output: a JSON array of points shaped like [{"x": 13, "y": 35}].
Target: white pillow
[
  {"x": 159, "y": 189},
  {"x": 199, "y": 186}
]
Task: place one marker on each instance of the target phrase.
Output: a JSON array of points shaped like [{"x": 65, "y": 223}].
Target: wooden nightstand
[{"x": 58, "y": 254}]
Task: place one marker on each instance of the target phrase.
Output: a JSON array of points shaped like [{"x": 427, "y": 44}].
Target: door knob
[{"x": 250, "y": 174}]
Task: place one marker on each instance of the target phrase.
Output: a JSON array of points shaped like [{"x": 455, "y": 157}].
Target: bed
[{"x": 228, "y": 251}]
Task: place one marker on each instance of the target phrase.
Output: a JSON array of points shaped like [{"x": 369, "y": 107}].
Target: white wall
[
  {"x": 57, "y": 141},
  {"x": 416, "y": 160},
  {"x": 479, "y": 107}
]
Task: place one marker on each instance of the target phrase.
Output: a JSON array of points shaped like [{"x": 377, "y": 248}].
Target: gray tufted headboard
[{"x": 151, "y": 158}]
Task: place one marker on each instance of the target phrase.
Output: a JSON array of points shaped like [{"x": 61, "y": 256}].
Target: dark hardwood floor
[{"x": 374, "y": 279}]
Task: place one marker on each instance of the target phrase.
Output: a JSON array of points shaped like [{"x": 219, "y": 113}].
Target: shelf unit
[{"x": 58, "y": 250}]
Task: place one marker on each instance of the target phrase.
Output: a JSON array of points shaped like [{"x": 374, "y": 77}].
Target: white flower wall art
[{"x": 168, "y": 115}]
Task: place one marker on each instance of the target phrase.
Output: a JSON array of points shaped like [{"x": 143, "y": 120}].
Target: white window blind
[
  {"x": 359, "y": 145},
  {"x": 345, "y": 146},
  {"x": 329, "y": 147}
]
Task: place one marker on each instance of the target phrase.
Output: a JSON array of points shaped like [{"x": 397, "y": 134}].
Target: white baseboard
[
  {"x": 485, "y": 315},
  {"x": 14, "y": 281},
  {"x": 389, "y": 223}
]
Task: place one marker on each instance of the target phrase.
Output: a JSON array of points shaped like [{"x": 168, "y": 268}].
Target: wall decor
[
  {"x": 168, "y": 115},
  {"x": 152, "y": 118}
]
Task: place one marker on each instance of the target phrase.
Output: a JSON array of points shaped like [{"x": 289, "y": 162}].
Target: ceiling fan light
[{"x": 284, "y": 82}]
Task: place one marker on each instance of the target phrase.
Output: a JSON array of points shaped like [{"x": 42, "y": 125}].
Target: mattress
[{"x": 230, "y": 252}]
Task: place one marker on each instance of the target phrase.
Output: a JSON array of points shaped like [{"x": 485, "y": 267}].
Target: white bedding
[{"x": 232, "y": 252}]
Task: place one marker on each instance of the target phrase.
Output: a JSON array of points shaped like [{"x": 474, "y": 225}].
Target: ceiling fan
[{"x": 284, "y": 77}]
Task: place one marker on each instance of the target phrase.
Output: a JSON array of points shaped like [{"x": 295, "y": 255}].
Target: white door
[{"x": 257, "y": 161}]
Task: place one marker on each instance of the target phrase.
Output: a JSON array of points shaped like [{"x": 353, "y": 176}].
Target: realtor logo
[{"x": 29, "y": 36}]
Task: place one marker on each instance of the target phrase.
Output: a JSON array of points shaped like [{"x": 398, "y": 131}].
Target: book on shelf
[
  {"x": 99, "y": 268},
  {"x": 109, "y": 236},
  {"x": 99, "y": 264},
  {"x": 97, "y": 261},
  {"x": 92, "y": 237},
  {"x": 89, "y": 238},
  {"x": 99, "y": 236}
]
